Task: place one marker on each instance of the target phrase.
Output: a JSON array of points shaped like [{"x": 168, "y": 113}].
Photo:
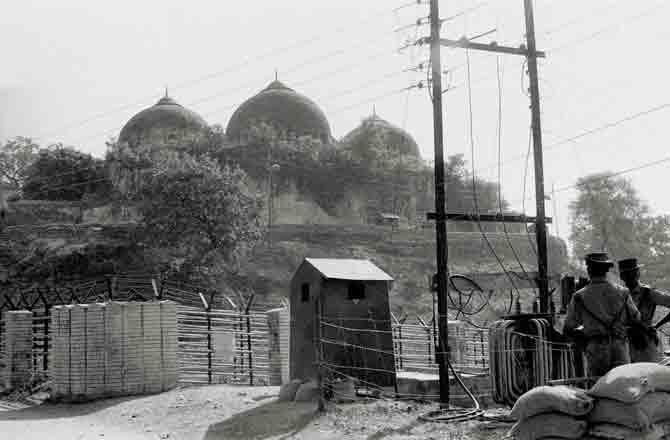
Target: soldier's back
[{"x": 605, "y": 307}]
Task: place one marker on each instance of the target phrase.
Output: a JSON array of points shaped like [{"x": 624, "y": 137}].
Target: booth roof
[{"x": 348, "y": 269}]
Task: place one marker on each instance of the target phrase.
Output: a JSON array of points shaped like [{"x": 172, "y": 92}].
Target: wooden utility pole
[
  {"x": 440, "y": 204},
  {"x": 540, "y": 222},
  {"x": 532, "y": 54}
]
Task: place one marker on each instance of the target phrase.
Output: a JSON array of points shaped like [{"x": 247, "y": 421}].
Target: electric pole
[
  {"x": 440, "y": 205},
  {"x": 440, "y": 215},
  {"x": 540, "y": 221}
]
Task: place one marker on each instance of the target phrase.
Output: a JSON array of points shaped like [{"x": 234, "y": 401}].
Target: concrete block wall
[
  {"x": 113, "y": 349},
  {"x": 18, "y": 347}
]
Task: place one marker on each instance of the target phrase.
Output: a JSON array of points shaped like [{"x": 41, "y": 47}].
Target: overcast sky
[{"x": 74, "y": 71}]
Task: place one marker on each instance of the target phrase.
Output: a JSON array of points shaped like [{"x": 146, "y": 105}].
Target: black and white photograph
[{"x": 358, "y": 219}]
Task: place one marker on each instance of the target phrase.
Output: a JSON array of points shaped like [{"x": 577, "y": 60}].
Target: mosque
[{"x": 169, "y": 124}]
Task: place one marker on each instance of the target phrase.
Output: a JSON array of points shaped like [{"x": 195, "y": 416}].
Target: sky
[{"x": 75, "y": 71}]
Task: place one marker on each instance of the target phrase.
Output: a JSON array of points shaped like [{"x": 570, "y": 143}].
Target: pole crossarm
[
  {"x": 502, "y": 218},
  {"x": 491, "y": 47},
  {"x": 465, "y": 43}
]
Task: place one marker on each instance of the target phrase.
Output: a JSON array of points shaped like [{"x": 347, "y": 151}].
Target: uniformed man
[
  {"x": 598, "y": 317},
  {"x": 644, "y": 342}
]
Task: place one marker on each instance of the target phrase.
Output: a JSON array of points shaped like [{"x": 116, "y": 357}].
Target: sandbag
[
  {"x": 657, "y": 405},
  {"x": 631, "y": 382},
  {"x": 288, "y": 390},
  {"x": 308, "y": 392},
  {"x": 630, "y": 415},
  {"x": 611, "y": 431},
  {"x": 544, "y": 399},
  {"x": 548, "y": 425}
]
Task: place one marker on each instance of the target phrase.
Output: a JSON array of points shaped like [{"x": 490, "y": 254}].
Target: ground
[{"x": 231, "y": 413}]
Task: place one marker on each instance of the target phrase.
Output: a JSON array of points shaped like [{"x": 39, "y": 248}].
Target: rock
[
  {"x": 344, "y": 391},
  {"x": 308, "y": 392},
  {"x": 288, "y": 390}
]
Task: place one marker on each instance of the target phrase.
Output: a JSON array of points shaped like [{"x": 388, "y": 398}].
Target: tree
[
  {"x": 200, "y": 215},
  {"x": 63, "y": 173},
  {"x": 16, "y": 156},
  {"x": 608, "y": 215}
]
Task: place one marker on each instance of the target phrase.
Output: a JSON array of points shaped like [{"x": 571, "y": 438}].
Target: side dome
[
  {"x": 166, "y": 122},
  {"x": 395, "y": 139},
  {"x": 283, "y": 108}
]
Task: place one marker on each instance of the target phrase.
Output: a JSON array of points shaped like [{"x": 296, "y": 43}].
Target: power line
[
  {"x": 474, "y": 176},
  {"x": 295, "y": 67},
  {"x": 580, "y": 18},
  {"x": 619, "y": 173},
  {"x": 232, "y": 68},
  {"x": 606, "y": 29},
  {"x": 499, "y": 142},
  {"x": 592, "y": 131}
]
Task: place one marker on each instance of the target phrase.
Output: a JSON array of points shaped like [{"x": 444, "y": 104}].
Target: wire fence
[
  {"x": 383, "y": 356},
  {"x": 219, "y": 341},
  {"x": 414, "y": 346}
]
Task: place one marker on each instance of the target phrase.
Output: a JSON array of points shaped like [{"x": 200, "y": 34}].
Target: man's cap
[
  {"x": 599, "y": 258},
  {"x": 628, "y": 264}
]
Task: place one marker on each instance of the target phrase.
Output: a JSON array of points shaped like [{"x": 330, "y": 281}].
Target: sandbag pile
[
  {"x": 631, "y": 402},
  {"x": 551, "y": 413}
]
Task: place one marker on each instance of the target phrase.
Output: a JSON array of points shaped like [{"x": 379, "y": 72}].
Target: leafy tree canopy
[
  {"x": 63, "y": 173},
  {"x": 200, "y": 215},
  {"x": 608, "y": 215},
  {"x": 16, "y": 155}
]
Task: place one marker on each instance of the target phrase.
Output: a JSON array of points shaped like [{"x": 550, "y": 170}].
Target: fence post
[
  {"x": 240, "y": 342},
  {"x": 251, "y": 365},
  {"x": 47, "y": 318},
  {"x": 481, "y": 347},
  {"x": 207, "y": 308},
  {"x": 427, "y": 329},
  {"x": 158, "y": 294}
]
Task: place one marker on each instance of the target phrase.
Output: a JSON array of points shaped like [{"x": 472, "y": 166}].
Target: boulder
[
  {"x": 288, "y": 390},
  {"x": 308, "y": 392}
]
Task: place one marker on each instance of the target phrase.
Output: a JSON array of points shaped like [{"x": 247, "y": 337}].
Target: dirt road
[{"x": 227, "y": 412}]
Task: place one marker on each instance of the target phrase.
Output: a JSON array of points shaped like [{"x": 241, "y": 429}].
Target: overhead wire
[
  {"x": 606, "y": 29},
  {"x": 586, "y": 133},
  {"x": 474, "y": 177},
  {"x": 499, "y": 145},
  {"x": 108, "y": 132},
  {"x": 188, "y": 83},
  {"x": 525, "y": 184}
]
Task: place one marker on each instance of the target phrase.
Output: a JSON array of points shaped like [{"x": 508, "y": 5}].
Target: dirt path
[
  {"x": 181, "y": 414},
  {"x": 392, "y": 421},
  {"x": 230, "y": 413}
]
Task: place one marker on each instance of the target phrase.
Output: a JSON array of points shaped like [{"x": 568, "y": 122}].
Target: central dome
[
  {"x": 284, "y": 109},
  {"x": 166, "y": 122}
]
